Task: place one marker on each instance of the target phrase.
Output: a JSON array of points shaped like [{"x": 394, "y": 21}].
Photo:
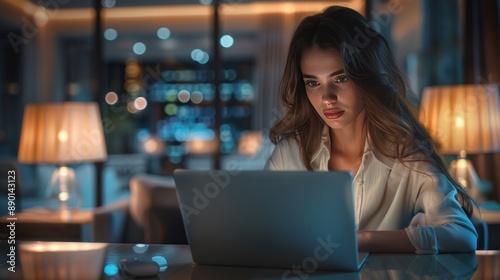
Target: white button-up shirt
[{"x": 388, "y": 194}]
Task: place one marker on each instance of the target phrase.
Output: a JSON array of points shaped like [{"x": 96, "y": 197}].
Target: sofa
[{"x": 151, "y": 215}]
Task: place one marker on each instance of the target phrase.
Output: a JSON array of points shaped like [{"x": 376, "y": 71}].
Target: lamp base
[
  {"x": 463, "y": 171},
  {"x": 63, "y": 192}
]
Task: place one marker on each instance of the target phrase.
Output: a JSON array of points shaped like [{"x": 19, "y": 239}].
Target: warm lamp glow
[
  {"x": 61, "y": 134},
  {"x": 249, "y": 143},
  {"x": 153, "y": 146},
  {"x": 61, "y": 246},
  {"x": 62, "y": 260},
  {"x": 463, "y": 119},
  {"x": 201, "y": 147}
]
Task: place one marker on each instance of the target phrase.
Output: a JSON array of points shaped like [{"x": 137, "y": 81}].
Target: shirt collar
[
  {"x": 324, "y": 146},
  {"x": 323, "y": 152}
]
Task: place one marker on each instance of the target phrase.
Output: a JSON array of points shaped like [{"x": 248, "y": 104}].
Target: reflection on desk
[
  {"x": 175, "y": 262},
  {"x": 398, "y": 266},
  {"x": 378, "y": 266}
]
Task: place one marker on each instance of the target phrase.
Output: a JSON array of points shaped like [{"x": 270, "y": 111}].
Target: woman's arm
[
  {"x": 395, "y": 241},
  {"x": 444, "y": 226}
]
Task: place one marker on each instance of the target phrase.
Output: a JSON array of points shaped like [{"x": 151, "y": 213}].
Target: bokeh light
[
  {"x": 249, "y": 143},
  {"x": 108, "y": 3},
  {"x": 163, "y": 33},
  {"x": 111, "y": 98},
  {"x": 200, "y": 56},
  {"x": 196, "y": 97},
  {"x": 153, "y": 146},
  {"x": 204, "y": 59},
  {"x": 140, "y": 248},
  {"x": 171, "y": 95},
  {"x": 195, "y": 53},
  {"x": 183, "y": 96},
  {"x": 140, "y": 103},
  {"x": 226, "y": 41},
  {"x": 110, "y": 34},
  {"x": 171, "y": 109},
  {"x": 131, "y": 107},
  {"x": 139, "y": 48}
]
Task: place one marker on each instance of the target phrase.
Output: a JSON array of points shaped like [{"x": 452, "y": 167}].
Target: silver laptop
[{"x": 297, "y": 220}]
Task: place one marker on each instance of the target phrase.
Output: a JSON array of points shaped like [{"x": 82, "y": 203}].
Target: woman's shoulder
[
  {"x": 288, "y": 143},
  {"x": 417, "y": 162},
  {"x": 287, "y": 147},
  {"x": 418, "y": 169},
  {"x": 286, "y": 156},
  {"x": 424, "y": 172}
]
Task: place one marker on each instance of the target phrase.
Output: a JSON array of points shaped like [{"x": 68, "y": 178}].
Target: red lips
[{"x": 333, "y": 114}]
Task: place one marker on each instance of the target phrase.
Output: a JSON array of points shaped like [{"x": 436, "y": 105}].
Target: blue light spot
[
  {"x": 181, "y": 134},
  {"x": 163, "y": 33},
  {"x": 225, "y": 127},
  {"x": 226, "y": 41},
  {"x": 204, "y": 59},
  {"x": 108, "y": 3},
  {"x": 111, "y": 269},
  {"x": 226, "y": 136},
  {"x": 139, "y": 48},
  {"x": 161, "y": 261},
  {"x": 110, "y": 34},
  {"x": 140, "y": 248},
  {"x": 142, "y": 134},
  {"x": 196, "y": 53}
]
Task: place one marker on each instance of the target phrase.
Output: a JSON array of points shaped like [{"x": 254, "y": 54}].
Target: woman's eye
[
  {"x": 342, "y": 80},
  {"x": 311, "y": 83}
]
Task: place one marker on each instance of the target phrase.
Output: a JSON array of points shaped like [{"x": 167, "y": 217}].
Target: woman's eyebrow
[{"x": 341, "y": 71}]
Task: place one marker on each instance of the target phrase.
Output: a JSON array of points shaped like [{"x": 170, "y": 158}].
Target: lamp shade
[
  {"x": 62, "y": 133},
  {"x": 463, "y": 117}
]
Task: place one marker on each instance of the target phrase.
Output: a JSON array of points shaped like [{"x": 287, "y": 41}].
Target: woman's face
[{"x": 329, "y": 90}]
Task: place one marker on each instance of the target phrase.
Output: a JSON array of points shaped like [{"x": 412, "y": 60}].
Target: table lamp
[
  {"x": 463, "y": 119},
  {"x": 61, "y": 134}
]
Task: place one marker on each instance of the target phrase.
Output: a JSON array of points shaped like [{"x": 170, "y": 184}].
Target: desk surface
[
  {"x": 47, "y": 224},
  {"x": 41, "y": 215},
  {"x": 177, "y": 264}
]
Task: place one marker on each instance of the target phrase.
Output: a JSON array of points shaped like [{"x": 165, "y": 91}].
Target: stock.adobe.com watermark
[
  {"x": 380, "y": 19},
  {"x": 11, "y": 219},
  {"x": 310, "y": 264},
  {"x": 30, "y": 26}
]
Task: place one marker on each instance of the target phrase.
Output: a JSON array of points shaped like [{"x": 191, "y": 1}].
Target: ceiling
[
  {"x": 132, "y": 3},
  {"x": 129, "y": 3},
  {"x": 189, "y": 21}
]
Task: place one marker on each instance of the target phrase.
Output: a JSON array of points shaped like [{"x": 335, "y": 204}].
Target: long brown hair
[{"x": 391, "y": 122}]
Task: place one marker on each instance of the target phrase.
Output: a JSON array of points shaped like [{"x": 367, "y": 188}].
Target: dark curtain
[
  {"x": 482, "y": 65},
  {"x": 442, "y": 55}
]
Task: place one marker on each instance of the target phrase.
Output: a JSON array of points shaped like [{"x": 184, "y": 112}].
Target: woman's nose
[{"x": 329, "y": 96}]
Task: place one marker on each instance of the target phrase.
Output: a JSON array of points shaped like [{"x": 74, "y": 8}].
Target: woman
[{"x": 346, "y": 107}]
